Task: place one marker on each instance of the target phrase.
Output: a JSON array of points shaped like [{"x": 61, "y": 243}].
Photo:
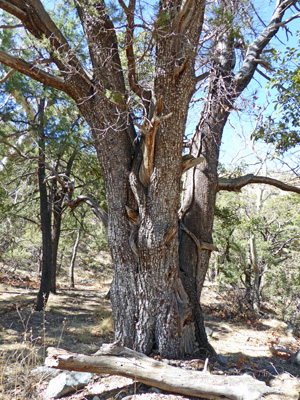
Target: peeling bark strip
[
  {"x": 117, "y": 360},
  {"x": 149, "y": 130}
]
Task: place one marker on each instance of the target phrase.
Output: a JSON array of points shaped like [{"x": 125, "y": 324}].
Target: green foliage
[
  {"x": 116, "y": 97},
  {"x": 163, "y": 19},
  {"x": 283, "y": 128}
]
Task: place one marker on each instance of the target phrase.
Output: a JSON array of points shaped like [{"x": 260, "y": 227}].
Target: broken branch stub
[{"x": 148, "y": 132}]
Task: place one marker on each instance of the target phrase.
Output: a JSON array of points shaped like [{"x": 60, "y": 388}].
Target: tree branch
[
  {"x": 117, "y": 360},
  {"x": 101, "y": 214},
  {"x": 263, "y": 74},
  {"x": 135, "y": 86},
  {"x": 189, "y": 161},
  {"x": 255, "y": 48},
  {"x": 236, "y": 184},
  {"x": 11, "y": 26},
  {"x": 33, "y": 72},
  {"x": 4, "y": 79},
  {"x": 200, "y": 245},
  {"x": 12, "y": 9},
  {"x": 37, "y": 21}
]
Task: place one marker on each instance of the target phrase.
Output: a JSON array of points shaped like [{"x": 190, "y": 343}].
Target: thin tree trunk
[
  {"x": 45, "y": 213},
  {"x": 58, "y": 197},
  {"x": 73, "y": 258},
  {"x": 256, "y": 273}
]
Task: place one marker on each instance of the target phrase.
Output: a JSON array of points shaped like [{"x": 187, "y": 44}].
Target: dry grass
[
  {"x": 77, "y": 320},
  {"x": 18, "y": 359}
]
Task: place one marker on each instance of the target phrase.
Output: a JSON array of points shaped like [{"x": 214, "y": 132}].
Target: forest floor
[{"x": 80, "y": 320}]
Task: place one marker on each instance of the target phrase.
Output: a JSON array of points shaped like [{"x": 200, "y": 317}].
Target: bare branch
[
  {"x": 33, "y": 72},
  {"x": 4, "y": 79},
  {"x": 17, "y": 152},
  {"x": 97, "y": 210},
  {"x": 202, "y": 77},
  {"x": 255, "y": 48},
  {"x": 264, "y": 64},
  {"x": 189, "y": 161},
  {"x": 11, "y": 26},
  {"x": 200, "y": 245},
  {"x": 236, "y": 184},
  {"x": 149, "y": 130},
  {"x": 289, "y": 19},
  {"x": 41, "y": 26},
  {"x": 123, "y": 5},
  {"x": 263, "y": 74}
]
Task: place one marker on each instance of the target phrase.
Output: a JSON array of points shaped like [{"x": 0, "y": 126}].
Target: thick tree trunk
[{"x": 197, "y": 208}]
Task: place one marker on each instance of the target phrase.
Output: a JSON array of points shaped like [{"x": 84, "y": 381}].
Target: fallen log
[{"x": 117, "y": 360}]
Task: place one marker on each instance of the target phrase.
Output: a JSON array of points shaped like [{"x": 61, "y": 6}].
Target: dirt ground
[{"x": 79, "y": 320}]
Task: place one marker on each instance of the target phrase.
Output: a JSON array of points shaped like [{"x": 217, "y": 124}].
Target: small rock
[
  {"x": 47, "y": 372},
  {"x": 96, "y": 398},
  {"x": 155, "y": 390},
  {"x": 209, "y": 331},
  {"x": 67, "y": 382}
]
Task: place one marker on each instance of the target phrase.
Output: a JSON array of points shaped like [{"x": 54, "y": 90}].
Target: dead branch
[
  {"x": 11, "y": 26},
  {"x": 97, "y": 210},
  {"x": 256, "y": 47},
  {"x": 4, "y": 79},
  {"x": 236, "y": 184},
  {"x": 117, "y": 360},
  {"x": 189, "y": 161}
]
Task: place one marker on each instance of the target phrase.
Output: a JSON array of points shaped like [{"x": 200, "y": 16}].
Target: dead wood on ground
[{"x": 117, "y": 360}]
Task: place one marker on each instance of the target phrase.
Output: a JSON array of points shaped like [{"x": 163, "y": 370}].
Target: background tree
[
  {"x": 276, "y": 233},
  {"x": 52, "y": 139},
  {"x": 138, "y": 126}
]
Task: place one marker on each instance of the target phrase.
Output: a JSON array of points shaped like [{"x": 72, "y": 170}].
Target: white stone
[{"x": 67, "y": 382}]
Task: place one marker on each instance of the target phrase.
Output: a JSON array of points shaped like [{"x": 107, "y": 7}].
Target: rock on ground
[{"x": 67, "y": 382}]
